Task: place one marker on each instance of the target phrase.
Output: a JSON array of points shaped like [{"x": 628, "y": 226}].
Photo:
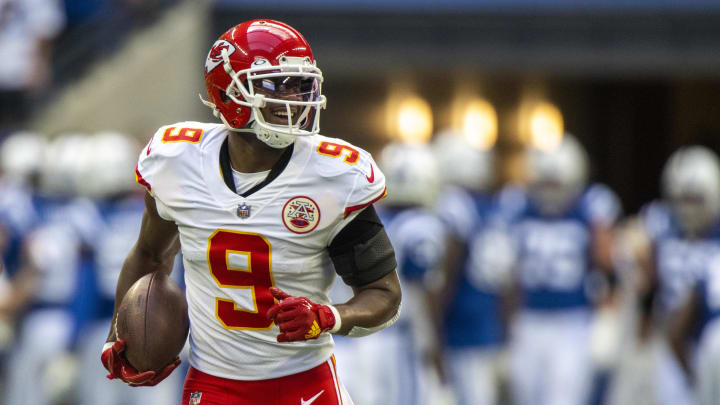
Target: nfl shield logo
[
  {"x": 195, "y": 398},
  {"x": 243, "y": 211}
]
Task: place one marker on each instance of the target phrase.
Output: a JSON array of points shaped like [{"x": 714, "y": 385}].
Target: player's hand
[
  {"x": 299, "y": 318},
  {"x": 114, "y": 361}
]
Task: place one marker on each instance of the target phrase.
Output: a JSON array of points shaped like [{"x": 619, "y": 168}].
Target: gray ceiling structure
[{"x": 585, "y": 38}]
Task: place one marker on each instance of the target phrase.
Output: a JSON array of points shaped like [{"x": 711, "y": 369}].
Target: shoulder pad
[
  {"x": 350, "y": 170},
  {"x": 169, "y": 150},
  {"x": 600, "y": 204},
  {"x": 656, "y": 219},
  {"x": 335, "y": 157},
  {"x": 173, "y": 139},
  {"x": 456, "y": 209}
]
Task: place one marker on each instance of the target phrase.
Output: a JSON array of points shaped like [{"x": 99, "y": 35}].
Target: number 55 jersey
[{"x": 236, "y": 247}]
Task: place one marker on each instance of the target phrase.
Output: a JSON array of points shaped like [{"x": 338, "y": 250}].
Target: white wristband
[
  {"x": 106, "y": 346},
  {"x": 338, "y": 321}
]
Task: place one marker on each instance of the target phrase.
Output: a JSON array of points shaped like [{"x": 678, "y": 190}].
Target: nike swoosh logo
[
  {"x": 311, "y": 400},
  {"x": 371, "y": 177}
]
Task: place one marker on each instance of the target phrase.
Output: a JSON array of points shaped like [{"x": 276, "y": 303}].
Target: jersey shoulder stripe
[{"x": 350, "y": 210}]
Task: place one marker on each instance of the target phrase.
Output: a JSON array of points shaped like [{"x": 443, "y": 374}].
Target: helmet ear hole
[{"x": 224, "y": 97}]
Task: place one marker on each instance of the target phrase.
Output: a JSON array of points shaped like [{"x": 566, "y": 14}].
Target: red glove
[
  {"x": 299, "y": 318},
  {"x": 119, "y": 367}
]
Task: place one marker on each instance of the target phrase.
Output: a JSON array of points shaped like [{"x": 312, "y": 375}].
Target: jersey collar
[{"x": 227, "y": 175}]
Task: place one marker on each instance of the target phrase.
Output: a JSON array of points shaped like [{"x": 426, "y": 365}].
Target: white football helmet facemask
[
  {"x": 411, "y": 174},
  {"x": 462, "y": 164},
  {"x": 557, "y": 176},
  {"x": 691, "y": 184}
]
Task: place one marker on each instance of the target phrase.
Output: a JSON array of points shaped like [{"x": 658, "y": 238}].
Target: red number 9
[{"x": 257, "y": 277}]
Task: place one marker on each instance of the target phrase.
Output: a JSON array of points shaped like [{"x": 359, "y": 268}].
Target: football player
[
  {"x": 263, "y": 208},
  {"x": 476, "y": 269},
  {"x": 684, "y": 241},
  {"x": 561, "y": 235},
  {"x": 52, "y": 256},
  {"x": 402, "y": 359},
  {"x": 20, "y": 157}
]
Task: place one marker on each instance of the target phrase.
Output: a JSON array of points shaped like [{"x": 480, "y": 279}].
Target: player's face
[
  {"x": 693, "y": 212},
  {"x": 551, "y": 195},
  {"x": 290, "y": 88}
]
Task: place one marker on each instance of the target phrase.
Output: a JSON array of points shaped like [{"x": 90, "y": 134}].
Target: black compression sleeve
[{"x": 362, "y": 252}]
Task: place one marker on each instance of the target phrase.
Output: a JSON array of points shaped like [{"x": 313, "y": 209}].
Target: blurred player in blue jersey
[
  {"x": 561, "y": 236},
  {"x": 20, "y": 157},
  {"x": 476, "y": 270},
  {"x": 693, "y": 180},
  {"x": 51, "y": 252},
  {"x": 396, "y": 365},
  {"x": 107, "y": 178},
  {"x": 684, "y": 232}
]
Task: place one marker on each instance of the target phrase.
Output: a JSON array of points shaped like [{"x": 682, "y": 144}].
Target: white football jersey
[{"x": 236, "y": 248}]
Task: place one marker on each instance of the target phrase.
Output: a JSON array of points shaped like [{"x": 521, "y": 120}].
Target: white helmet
[
  {"x": 411, "y": 174},
  {"x": 110, "y": 170},
  {"x": 556, "y": 176},
  {"x": 64, "y": 157},
  {"x": 22, "y": 154},
  {"x": 462, "y": 164},
  {"x": 691, "y": 184}
]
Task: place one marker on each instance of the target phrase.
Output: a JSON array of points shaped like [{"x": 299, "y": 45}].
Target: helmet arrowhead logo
[{"x": 214, "y": 58}]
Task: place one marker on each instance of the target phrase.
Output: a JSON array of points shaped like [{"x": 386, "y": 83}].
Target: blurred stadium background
[{"x": 85, "y": 83}]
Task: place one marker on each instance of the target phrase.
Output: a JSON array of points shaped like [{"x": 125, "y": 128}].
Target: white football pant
[{"x": 549, "y": 358}]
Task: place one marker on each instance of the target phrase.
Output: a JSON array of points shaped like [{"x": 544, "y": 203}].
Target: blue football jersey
[
  {"x": 680, "y": 261},
  {"x": 553, "y": 254},
  {"x": 55, "y": 247},
  {"x": 708, "y": 288},
  {"x": 120, "y": 227},
  {"x": 17, "y": 217},
  {"x": 476, "y": 219},
  {"x": 418, "y": 238}
]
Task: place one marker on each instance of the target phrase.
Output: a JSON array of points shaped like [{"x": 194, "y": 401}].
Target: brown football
[{"x": 152, "y": 320}]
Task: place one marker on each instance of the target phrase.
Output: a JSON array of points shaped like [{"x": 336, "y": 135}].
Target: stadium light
[
  {"x": 480, "y": 124},
  {"x": 413, "y": 119},
  {"x": 546, "y": 126}
]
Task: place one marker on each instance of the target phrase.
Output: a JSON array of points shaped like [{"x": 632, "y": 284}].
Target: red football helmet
[{"x": 263, "y": 63}]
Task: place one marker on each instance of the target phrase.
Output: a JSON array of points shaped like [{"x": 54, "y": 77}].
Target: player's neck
[{"x": 250, "y": 155}]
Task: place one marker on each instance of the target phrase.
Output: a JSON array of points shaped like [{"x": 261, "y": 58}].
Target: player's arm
[
  {"x": 642, "y": 254},
  {"x": 364, "y": 258},
  {"x": 441, "y": 293},
  {"x": 682, "y": 326},
  {"x": 373, "y": 306},
  {"x": 154, "y": 250}
]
